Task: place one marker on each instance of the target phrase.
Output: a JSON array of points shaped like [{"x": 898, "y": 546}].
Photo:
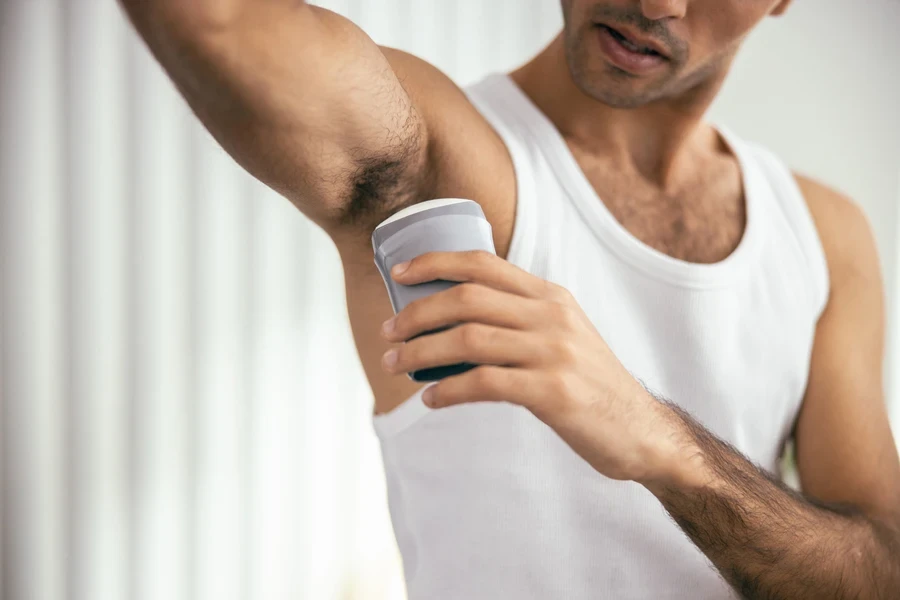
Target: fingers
[
  {"x": 477, "y": 266},
  {"x": 485, "y": 383},
  {"x": 470, "y": 342},
  {"x": 466, "y": 302}
]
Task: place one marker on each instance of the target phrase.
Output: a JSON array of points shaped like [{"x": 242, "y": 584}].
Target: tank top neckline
[{"x": 609, "y": 231}]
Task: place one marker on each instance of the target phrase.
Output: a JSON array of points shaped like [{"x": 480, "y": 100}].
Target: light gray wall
[
  {"x": 181, "y": 415},
  {"x": 821, "y": 86}
]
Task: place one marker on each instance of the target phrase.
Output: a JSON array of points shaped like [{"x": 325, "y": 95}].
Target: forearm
[{"x": 767, "y": 540}]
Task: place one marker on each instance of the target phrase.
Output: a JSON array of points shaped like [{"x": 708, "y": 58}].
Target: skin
[{"x": 350, "y": 132}]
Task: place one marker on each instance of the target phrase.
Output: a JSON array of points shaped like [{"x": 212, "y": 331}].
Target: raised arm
[{"x": 300, "y": 97}]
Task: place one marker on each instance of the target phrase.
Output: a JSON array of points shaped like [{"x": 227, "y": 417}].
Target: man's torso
[
  {"x": 485, "y": 500},
  {"x": 701, "y": 222}
]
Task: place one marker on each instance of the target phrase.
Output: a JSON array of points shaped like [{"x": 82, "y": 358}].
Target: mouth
[
  {"x": 635, "y": 43},
  {"x": 629, "y": 53}
]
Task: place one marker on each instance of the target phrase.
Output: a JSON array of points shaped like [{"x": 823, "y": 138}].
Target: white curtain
[{"x": 183, "y": 413}]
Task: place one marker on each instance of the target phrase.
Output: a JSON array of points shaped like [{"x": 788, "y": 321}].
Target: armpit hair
[{"x": 388, "y": 181}]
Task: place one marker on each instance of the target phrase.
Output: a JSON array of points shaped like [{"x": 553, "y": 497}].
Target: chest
[
  {"x": 702, "y": 221},
  {"x": 735, "y": 354}
]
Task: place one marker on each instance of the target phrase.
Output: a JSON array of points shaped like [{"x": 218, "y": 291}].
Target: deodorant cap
[{"x": 413, "y": 214}]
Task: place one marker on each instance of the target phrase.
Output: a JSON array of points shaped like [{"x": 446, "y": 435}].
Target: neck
[{"x": 652, "y": 140}]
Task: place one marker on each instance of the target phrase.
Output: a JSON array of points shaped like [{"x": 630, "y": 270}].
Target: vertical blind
[{"x": 183, "y": 413}]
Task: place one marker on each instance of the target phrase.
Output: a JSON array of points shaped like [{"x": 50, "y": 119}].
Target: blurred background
[{"x": 183, "y": 415}]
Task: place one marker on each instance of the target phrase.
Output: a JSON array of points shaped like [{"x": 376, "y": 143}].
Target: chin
[
  {"x": 610, "y": 85},
  {"x": 616, "y": 88},
  {"x": 621, "y": 100}
]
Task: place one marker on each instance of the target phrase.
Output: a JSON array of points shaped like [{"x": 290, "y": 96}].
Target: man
[{"x": 668, "y": 306}]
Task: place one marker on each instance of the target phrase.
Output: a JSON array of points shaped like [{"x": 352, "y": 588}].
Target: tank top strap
[
  {"x": 492, "y": 98},
  {"x": 789, "y": 204}
]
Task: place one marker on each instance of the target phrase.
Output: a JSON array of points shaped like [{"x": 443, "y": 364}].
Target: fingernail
[
  {"x": 389, "y": 325},
  {"x": 390, "y": 358},
  {"x": 400, "y": 267},
  {"x": 428, "y": 395}
]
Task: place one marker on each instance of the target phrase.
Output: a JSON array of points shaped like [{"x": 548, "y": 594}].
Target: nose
[{"x": 664, "y": 9}]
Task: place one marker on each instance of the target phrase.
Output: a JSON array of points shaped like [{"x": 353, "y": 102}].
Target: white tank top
[{"x": 487, "y": 503}]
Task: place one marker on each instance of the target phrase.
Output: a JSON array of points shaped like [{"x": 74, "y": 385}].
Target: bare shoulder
[
  {"x": 844, "y": 230},
  {"x": 466, "y": 157}
]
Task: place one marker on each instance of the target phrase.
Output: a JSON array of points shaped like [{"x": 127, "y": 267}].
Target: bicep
[
  {"x": 301, "y": 98},
  {"x": 845, "y": 450}
]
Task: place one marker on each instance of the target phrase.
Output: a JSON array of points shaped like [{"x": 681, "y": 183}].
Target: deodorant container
[{"x": 442, "y": 225}]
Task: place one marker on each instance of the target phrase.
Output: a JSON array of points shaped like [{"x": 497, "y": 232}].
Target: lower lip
[{"x": 625, "y": 59}]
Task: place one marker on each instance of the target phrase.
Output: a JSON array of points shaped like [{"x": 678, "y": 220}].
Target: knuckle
[
  {"x": 558, "y": 311},
  {"x": 479, "y": 260},
  {"x": 468, "y": 293},
  {"x": 570, "y": 316},
  {"x": 556, "y": 292},
  {"x": 564, "y": 314},
  {"x": 471, "y": 336},
  {"x": 560, "y": 385},
  {"x": 484, "y": 378},
  {"x": 564, "y": 351},
  {"x": 562, "y": 294}
]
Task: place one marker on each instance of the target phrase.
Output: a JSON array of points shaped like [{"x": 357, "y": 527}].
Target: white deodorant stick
[{"x": 442, "y": 225}]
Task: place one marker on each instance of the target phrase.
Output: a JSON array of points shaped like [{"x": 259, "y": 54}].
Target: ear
[{"x": 780, "y": 8}]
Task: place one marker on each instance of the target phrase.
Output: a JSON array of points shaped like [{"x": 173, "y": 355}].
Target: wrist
[{"x": 675, "y": 459}]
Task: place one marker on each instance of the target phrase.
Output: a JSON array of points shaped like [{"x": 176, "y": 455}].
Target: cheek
[
  {"x": 575, "y": 12},
  {"x": 719, "y": 26}
]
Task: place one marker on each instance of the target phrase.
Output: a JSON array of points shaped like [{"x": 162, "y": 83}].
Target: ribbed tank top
[{"x": 488, "y": 503}]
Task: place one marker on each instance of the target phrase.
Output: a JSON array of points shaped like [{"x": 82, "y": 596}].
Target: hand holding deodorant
[{"x": 442, "y": 225}]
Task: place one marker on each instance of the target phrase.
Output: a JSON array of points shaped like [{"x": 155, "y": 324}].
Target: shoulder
[
  {"x": 844, "y": 231},
  {"x": 833, "y": 211},
  {"x": 466, "y": 157},
  {"x": 464, "y": 148},
  {"x": 838, "y": 224},
  {"x": 429, "y": 88}
]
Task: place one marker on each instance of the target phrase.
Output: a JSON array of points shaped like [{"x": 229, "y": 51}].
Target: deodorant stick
[{"x": 442, "y": 225}]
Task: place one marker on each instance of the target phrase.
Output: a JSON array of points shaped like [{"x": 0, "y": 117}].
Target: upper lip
[{"x": 638, "y": 39}]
